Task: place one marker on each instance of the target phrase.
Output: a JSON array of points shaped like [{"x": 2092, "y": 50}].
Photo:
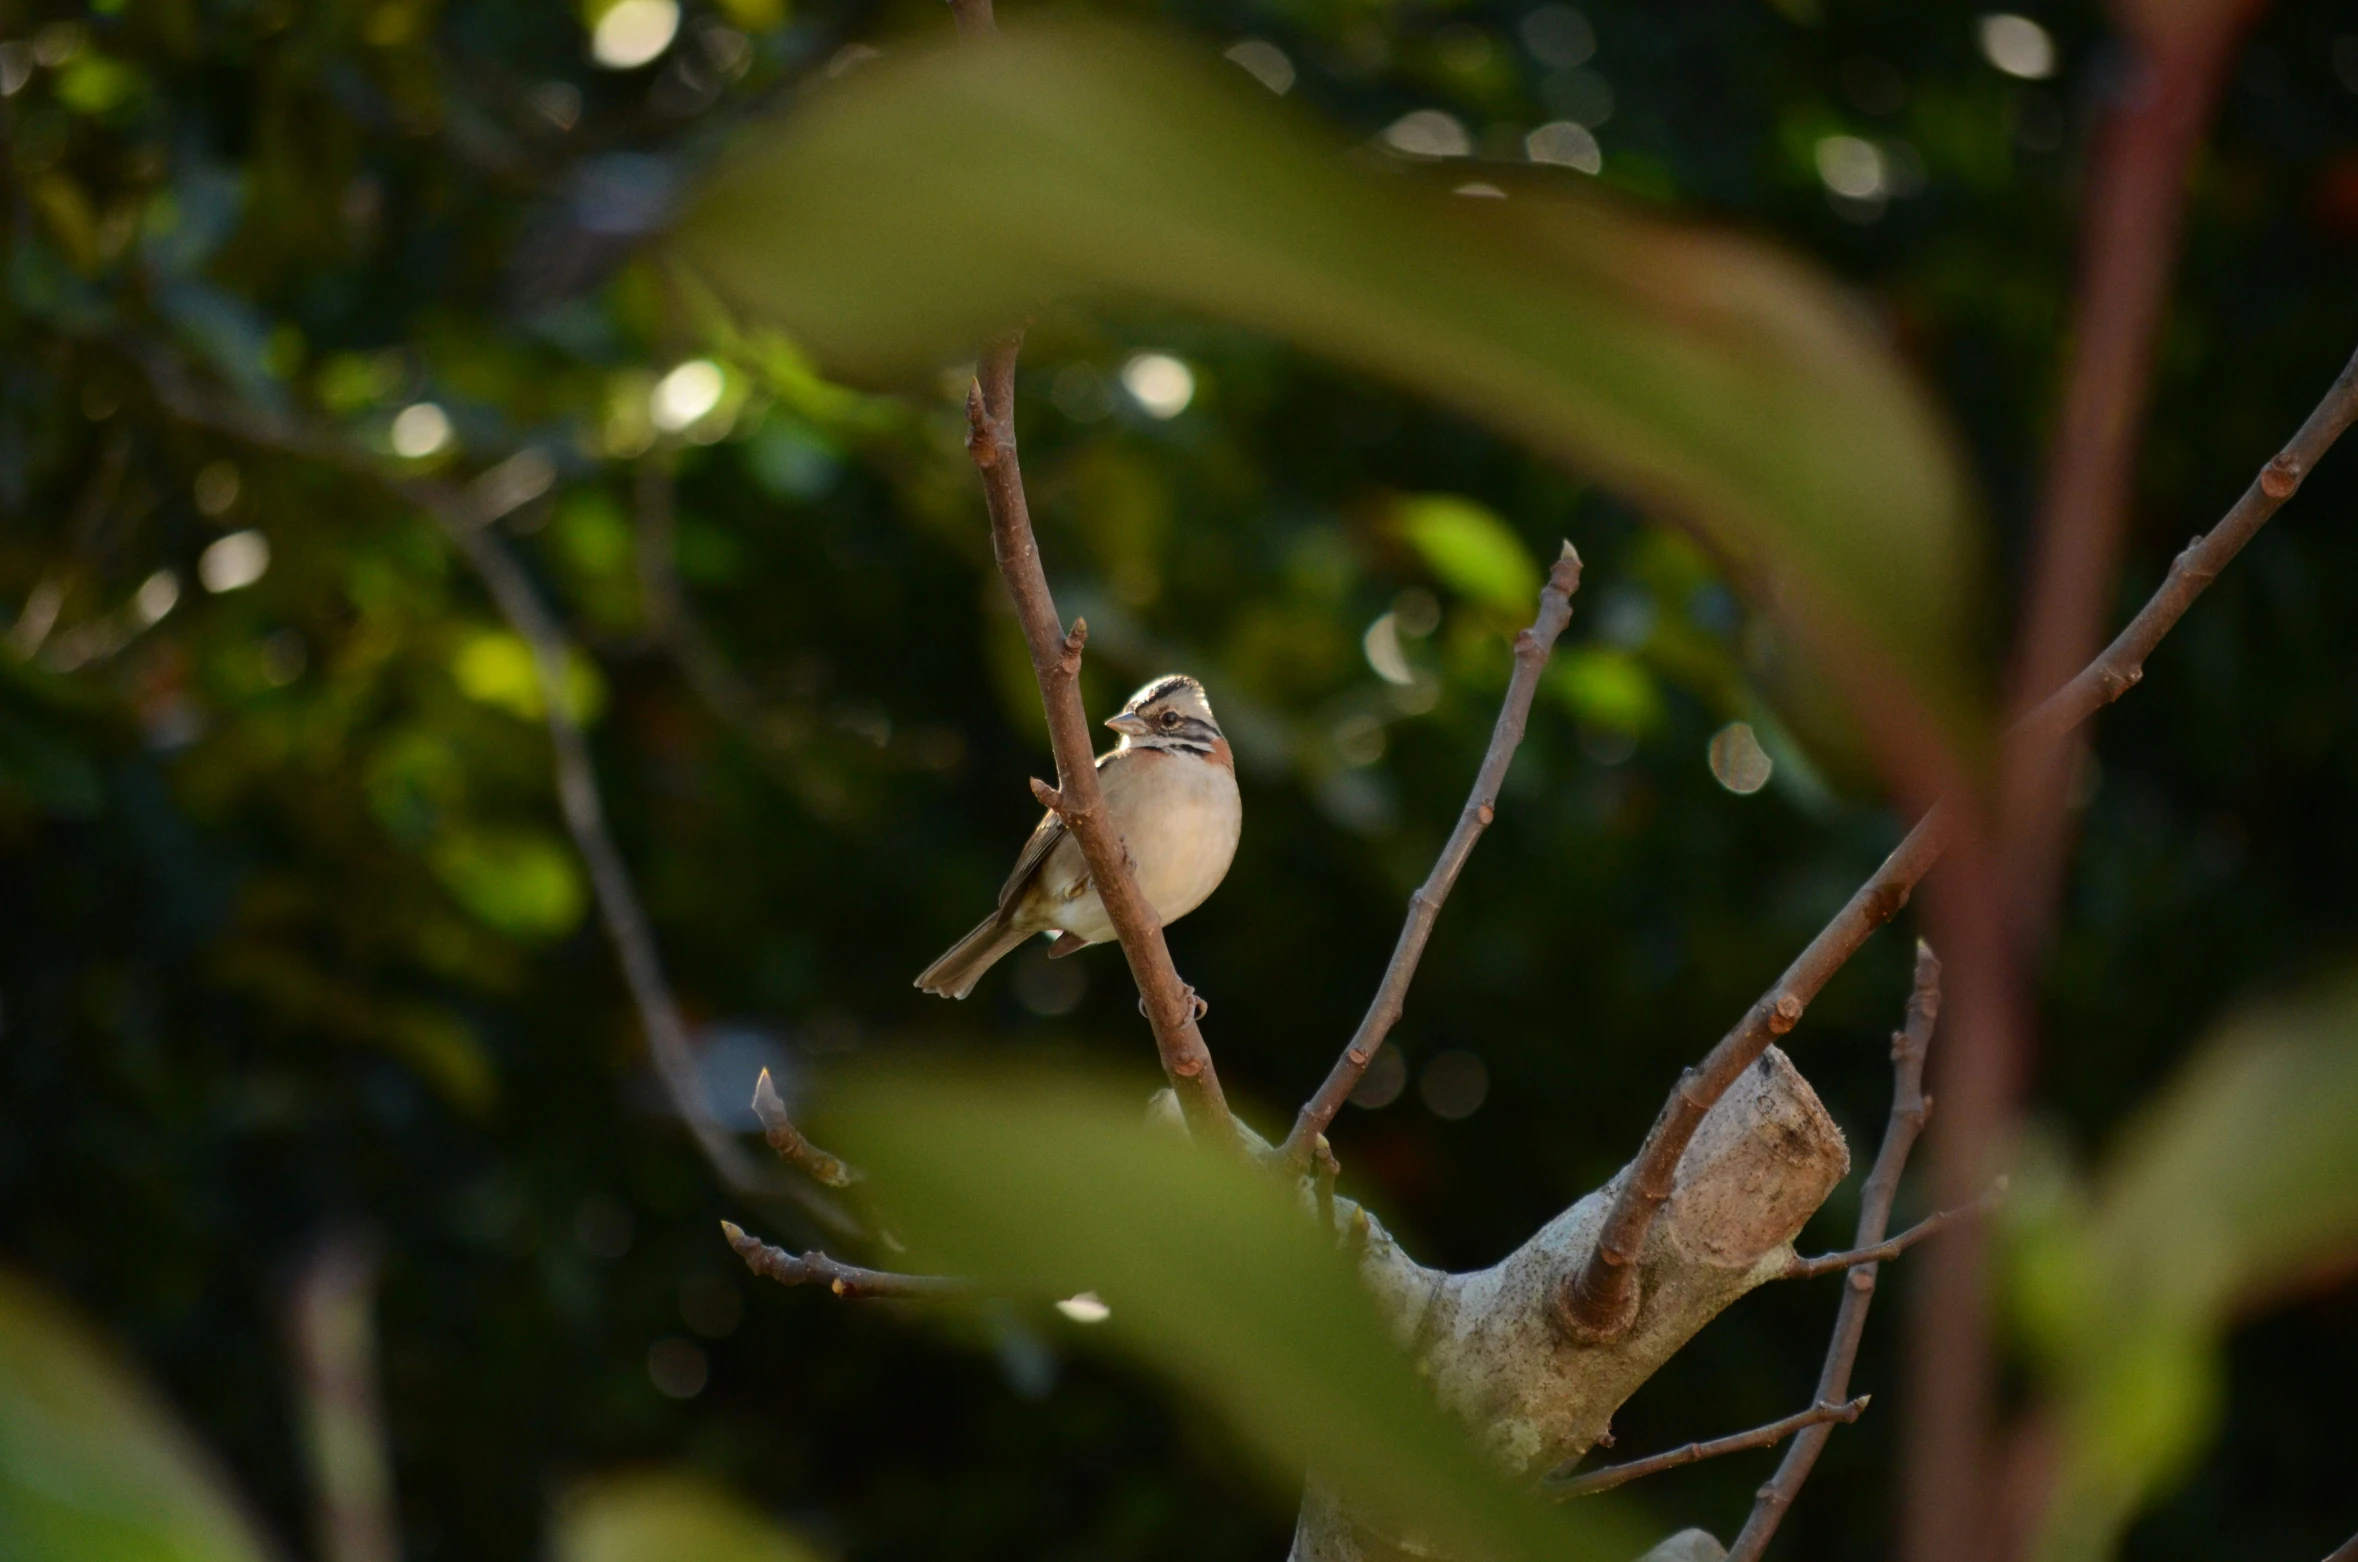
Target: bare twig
[
  {"x": 333, "y": 1326},
  {"x": 1563, "y": 1483},
  {"x": 1909, "y": 1109},
  {"x": 2347, "y": 1551},
  {"x": 847, "y": 1280},
  {"x": 1170, "y": 1004},
  {"x": 464, "y": 515},
  {"x": 788, "y": 1141},
  {"x": 1600, "y": 1302},
  {"x": 1424, "y": 907},
  {"x": 1883, "y": 1252},
  {"x": 584, "y": 810},
  {"x": 1076, "y": 798}
]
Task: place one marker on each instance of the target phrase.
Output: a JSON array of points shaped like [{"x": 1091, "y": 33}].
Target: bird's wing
[{"x": 1035, "y": 851}]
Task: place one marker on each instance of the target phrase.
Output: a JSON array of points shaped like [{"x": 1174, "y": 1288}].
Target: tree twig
[
  {"x": 789, "y": 1142},
  {"x": 1600, "y": 1302},
  {"x": 1563, "y": 1483},
  {"x": 1076, "y": 798},
  {"x": 333, "y": 1331},
  {"x": 846, "y": 1280},
  {"x": 1170, "y": 1004},
  {"x": 2347, "y": 1551},
  {"x": 1532, "y": 646},
  {"x": 464, "y": 516},
  {"x": 1909, "y": 1109},
  {"x": 1884, "y": 1252}
]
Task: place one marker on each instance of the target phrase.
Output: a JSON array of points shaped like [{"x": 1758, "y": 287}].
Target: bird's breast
[{"x": 1182, "y": 817}]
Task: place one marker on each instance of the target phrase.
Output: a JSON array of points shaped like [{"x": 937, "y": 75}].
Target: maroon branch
[
  {"x": 1563, "y": 1483},
  {"x": 1424, "y": 907},
  {"x": 788, "y": 1141},
  {"x": 1076, "y": 798},
  {"x": 1600, "y": 1302},
  {"x": 845, "y": 1280},
  {"x": 1909, "y": 1109}
]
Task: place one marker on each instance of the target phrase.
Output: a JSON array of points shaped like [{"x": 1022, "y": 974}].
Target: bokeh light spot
[
  {"x": 633, "y": 32},
  {"x": 685, "y": 395},
  {"x": 1738, "y": 762},
  {"x": 2017, "y": 45},
  {"x": 1159, "y": 383},
  {"x": 419, "y": 430},
  {"x": 234, "y": 562}
]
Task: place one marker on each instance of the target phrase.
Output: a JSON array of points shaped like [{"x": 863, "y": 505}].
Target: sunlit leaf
[
  {"x": 498, "y": 668},
  {"x": 2241, "y": 1182},
  {"x": 927, "y": 200},
  {"x": 519, "y": 881},
  {"x": 93, "y": 1467},
  {"x": 1052, "y": 1185},
  {"x": 1471, "y": 549},
  {"x": 667, "y": 1516}
]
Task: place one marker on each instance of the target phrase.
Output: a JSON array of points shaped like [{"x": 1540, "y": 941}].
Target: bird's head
[{"x": 1168, "y": 713}]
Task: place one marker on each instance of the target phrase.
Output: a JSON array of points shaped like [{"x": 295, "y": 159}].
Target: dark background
[{"x": 265, "y": 972}]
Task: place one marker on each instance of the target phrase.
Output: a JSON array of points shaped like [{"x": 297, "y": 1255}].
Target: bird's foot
[{"x": 1200, "y": 1005}]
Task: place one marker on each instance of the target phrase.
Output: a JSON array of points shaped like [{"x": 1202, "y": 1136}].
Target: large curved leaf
[
  {"x": 900, "y": 215},
  {"x": 1052, "y": 1185},
  {"x": 2240, "y": 1182},
  {"x": 93, "y": 1468}
]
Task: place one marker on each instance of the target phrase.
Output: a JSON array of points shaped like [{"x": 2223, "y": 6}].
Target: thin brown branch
[
  {"x": 2347, "y": 1551},
  {"x": 1532, "y": 647},
  {"x": 334, "y": 1336},
  {"x": 845, "y": 1280},
  {"x": 1563, "y": 1483},
  {"x": 1909, "y": 1109},
  {"x": 464, "y": 514},
  {"x": 1600, "y": 1302},
  {"x": 789, "y": 1142},
  {"x": 1056, "y": 659},
  {"x": 1883, "y": 1252},
  {"x": 584, "y": 811}
]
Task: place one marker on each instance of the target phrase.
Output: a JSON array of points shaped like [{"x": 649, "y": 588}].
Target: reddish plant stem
[
  {"x": 1532, "y": 647},
  {"x": 2137, "y": 184},
  {"x": 1599, "y": 1302},
  {"x": 1909, "y": 1109}
]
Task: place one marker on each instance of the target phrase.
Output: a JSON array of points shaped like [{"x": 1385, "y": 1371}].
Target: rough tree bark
[{"x": 1762, "y": 1161}]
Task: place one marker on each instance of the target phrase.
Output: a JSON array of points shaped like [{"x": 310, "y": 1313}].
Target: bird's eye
[{"x": 1170, "y": 718}]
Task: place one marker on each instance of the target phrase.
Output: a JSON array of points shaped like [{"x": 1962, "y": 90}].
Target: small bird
[{"x": 1171, "y": 787}]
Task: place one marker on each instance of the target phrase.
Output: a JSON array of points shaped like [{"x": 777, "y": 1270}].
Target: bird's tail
[{"x": 955, "y": 973}]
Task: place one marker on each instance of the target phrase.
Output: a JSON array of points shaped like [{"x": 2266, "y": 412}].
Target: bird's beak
[{"x": 1130, "y": 724}]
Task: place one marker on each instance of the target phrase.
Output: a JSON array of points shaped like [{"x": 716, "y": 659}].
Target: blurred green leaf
[
  {"x": 667, "y": 1516},
  {"x": 499, "y": 669},
  {"x": 522, "y": 882},
  {"x": 1471, "y": 550},
  {"x": 2239, "y": 1183},
  {"x": 929, "y": 200},
  {"x": 1051, "y": 1184},
  {"x": 1607, "y": 688},
  {"x": 93, "y": 1467}
]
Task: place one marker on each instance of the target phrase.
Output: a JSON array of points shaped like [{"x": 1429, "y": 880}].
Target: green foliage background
[{"x": 290, "y": 937}]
